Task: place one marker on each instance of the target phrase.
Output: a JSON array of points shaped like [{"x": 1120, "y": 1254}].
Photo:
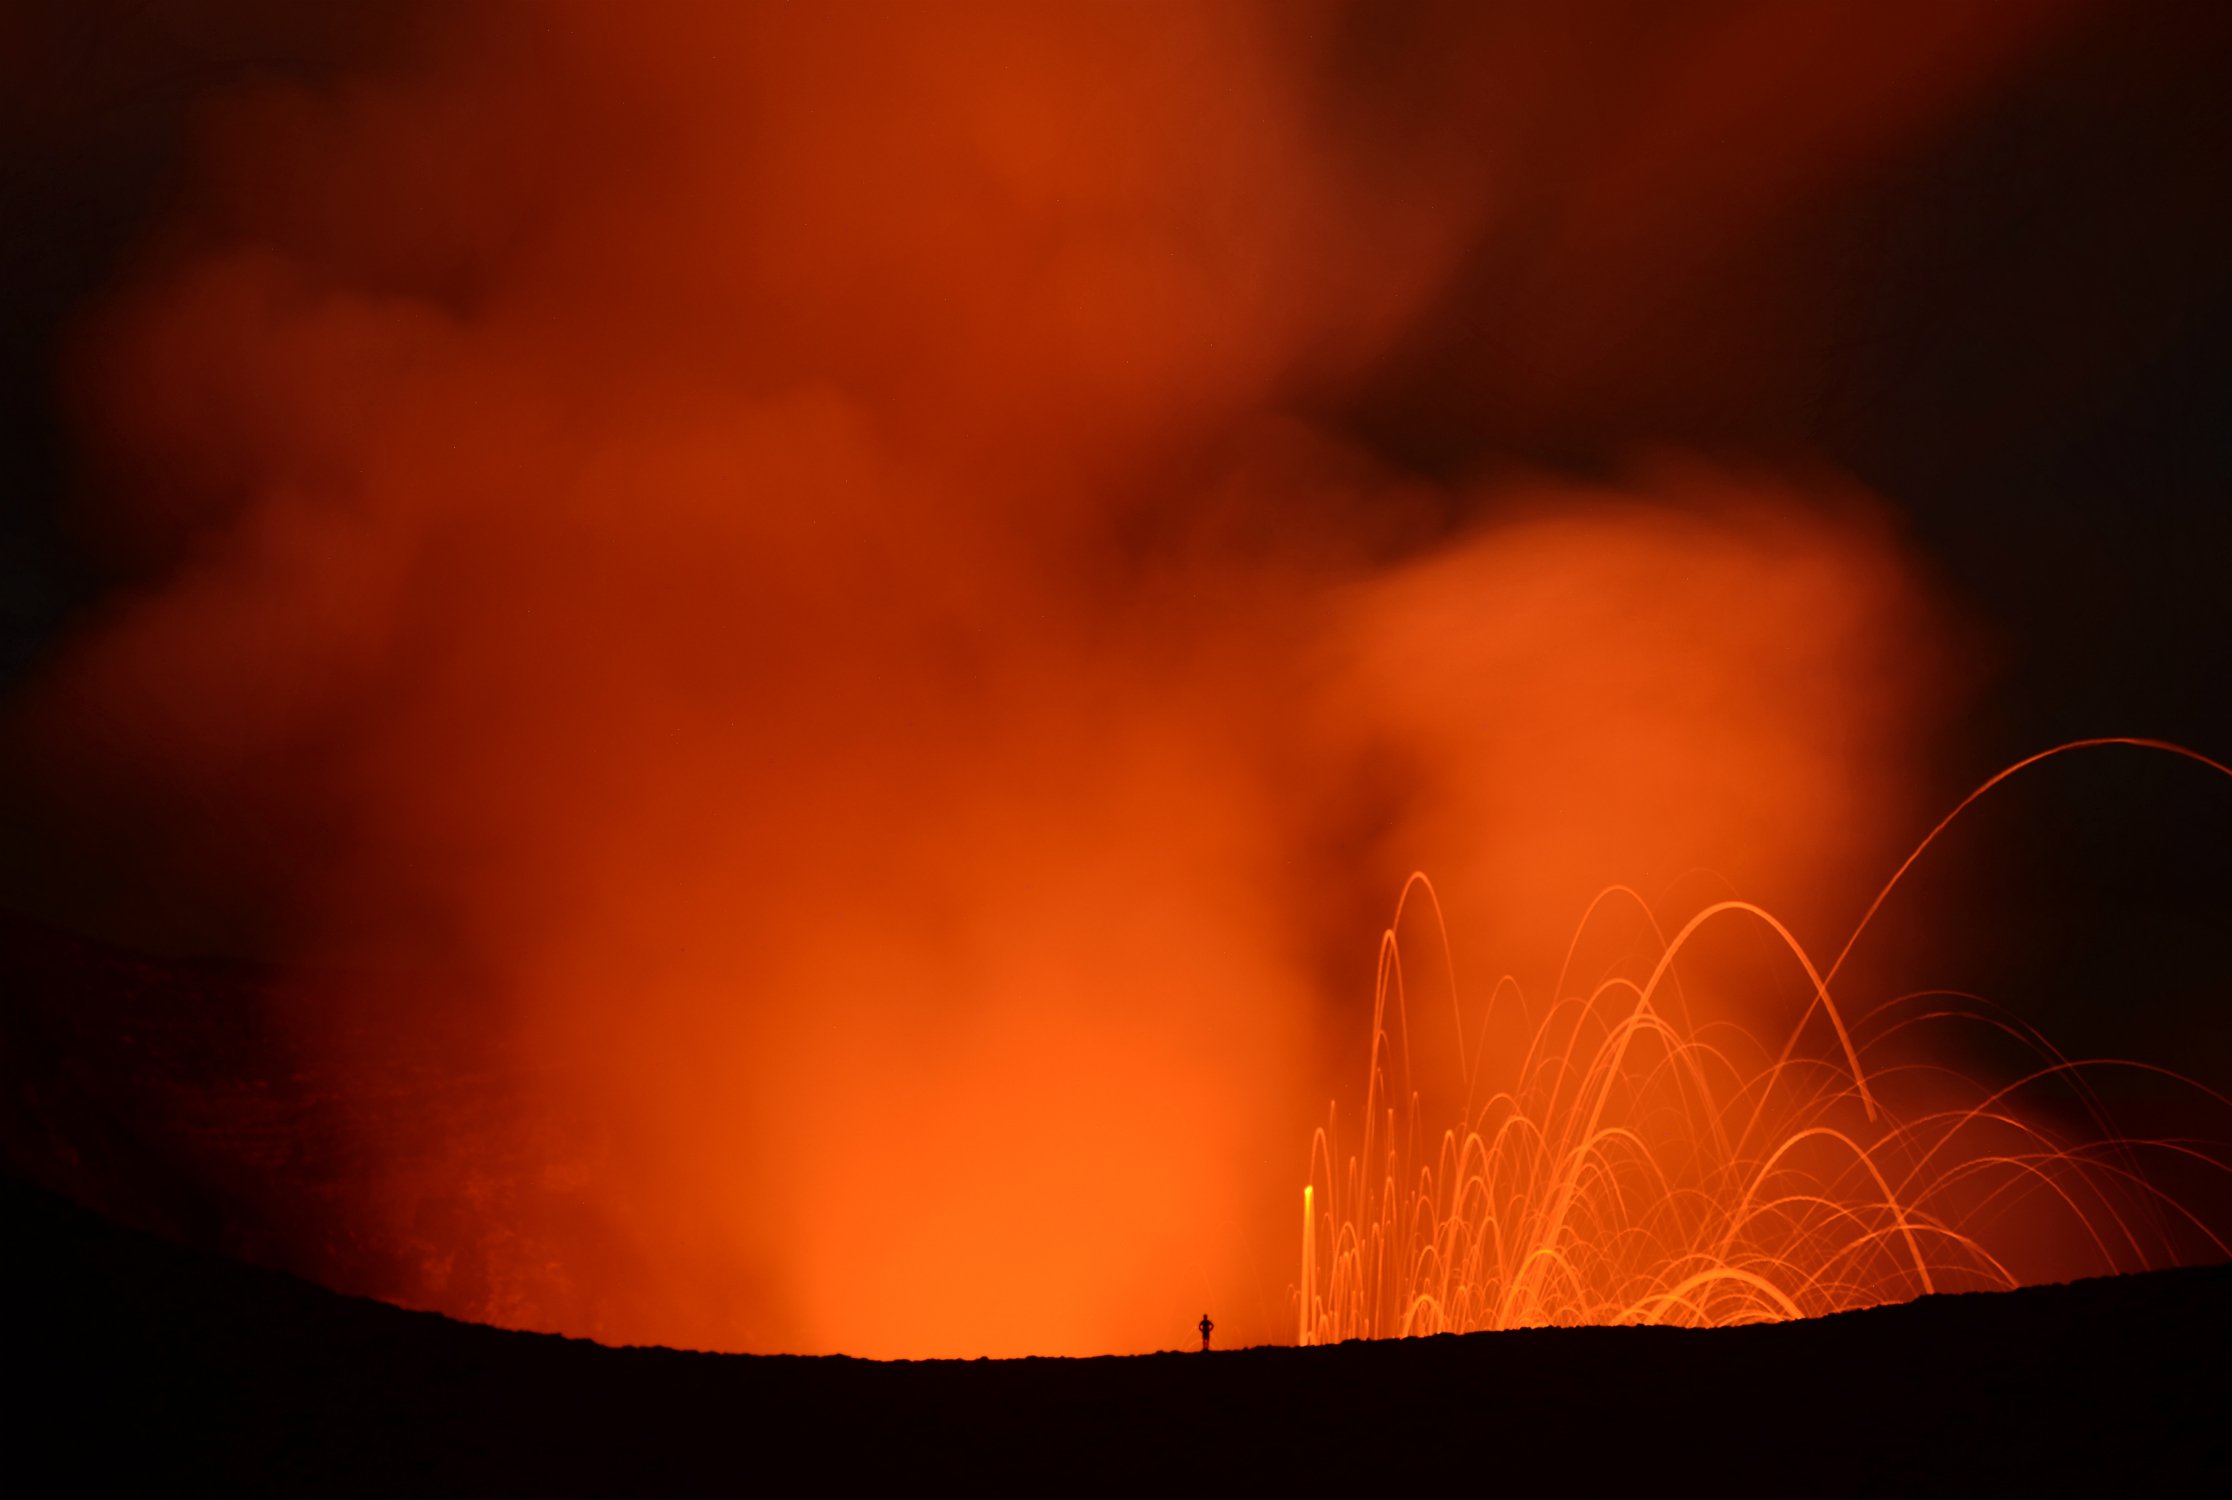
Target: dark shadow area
[{"x": 150, "y": 1363}]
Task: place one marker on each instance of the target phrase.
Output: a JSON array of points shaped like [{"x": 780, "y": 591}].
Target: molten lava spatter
[{"x": 1628, "y": 1155}]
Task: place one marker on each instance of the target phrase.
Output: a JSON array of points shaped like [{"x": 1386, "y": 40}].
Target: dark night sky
[{"x": 2019, "y": 332}]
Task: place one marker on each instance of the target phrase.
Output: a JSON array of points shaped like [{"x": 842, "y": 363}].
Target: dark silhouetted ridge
[{"x": 149, "y": 1362}]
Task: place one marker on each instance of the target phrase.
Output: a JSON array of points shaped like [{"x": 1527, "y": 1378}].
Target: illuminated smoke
[{"x": 778, "y": 560}]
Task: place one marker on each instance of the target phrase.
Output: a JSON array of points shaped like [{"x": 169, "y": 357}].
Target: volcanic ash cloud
[{"x": 777, "y": 551}]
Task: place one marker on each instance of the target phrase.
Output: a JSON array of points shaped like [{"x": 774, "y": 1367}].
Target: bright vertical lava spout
[{"x": 1627, "y": 1155}]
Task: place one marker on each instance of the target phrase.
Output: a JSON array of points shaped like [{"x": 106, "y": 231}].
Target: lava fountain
[{"x": 1625, "y": 1156}]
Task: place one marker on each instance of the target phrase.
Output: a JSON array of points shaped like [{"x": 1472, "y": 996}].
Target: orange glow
[
  {"x": 785, "y": 613},
  {"x": 1643, "y": 1159}
]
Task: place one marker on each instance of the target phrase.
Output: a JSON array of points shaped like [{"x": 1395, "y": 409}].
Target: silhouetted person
[{"x": 1206, "y": 1327}]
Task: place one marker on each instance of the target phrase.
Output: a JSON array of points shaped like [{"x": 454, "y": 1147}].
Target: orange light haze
[{"x": 785, "y": 564}]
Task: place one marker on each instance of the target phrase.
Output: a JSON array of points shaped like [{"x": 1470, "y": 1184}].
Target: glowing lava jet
[{"x": 1624, "y": 1157}]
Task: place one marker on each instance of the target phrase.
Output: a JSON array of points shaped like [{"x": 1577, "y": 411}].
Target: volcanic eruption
[
  {"x": 805, "y": 643},
  {"x": 1638, "y": 1157}
]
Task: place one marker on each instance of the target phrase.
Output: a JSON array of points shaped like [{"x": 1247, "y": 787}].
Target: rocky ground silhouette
[{"x": 138, "y": 1362}]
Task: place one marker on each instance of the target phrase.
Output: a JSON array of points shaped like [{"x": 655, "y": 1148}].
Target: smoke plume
[{"x": 856, "y": 586}]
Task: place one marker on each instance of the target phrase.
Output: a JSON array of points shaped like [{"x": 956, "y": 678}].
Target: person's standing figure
[{"x": 1206, "y": 1327}]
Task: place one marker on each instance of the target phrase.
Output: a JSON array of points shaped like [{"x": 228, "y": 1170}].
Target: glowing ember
[{"x": 1627, "y": 1162}]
